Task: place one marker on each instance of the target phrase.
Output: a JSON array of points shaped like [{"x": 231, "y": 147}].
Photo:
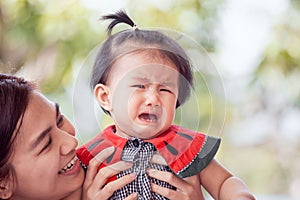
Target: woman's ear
[
  {"x": 102, "y": 94},
  {"x": 6, "y": 188}
]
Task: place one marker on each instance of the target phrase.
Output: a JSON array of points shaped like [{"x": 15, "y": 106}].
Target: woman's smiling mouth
[{"x": 69, "y": 166}]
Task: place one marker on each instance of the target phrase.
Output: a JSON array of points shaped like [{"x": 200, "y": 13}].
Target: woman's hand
[
  {"x": 94, "y": 185},
  {"x": 186, "y": 190}
]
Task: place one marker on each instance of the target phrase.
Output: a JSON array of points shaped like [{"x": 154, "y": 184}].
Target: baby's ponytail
[{"x": 119, "y": 17}]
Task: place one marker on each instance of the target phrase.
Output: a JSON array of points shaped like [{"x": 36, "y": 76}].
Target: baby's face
[{"x": 143, "y": 94}]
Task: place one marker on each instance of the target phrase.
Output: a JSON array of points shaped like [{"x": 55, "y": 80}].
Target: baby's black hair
[{"x": 136, "y": 39}]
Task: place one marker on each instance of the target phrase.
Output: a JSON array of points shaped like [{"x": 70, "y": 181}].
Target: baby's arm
[{"x": 223, "y": 185}]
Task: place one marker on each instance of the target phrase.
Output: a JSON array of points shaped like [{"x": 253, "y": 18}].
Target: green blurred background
[{"x": 255, "y": 48}]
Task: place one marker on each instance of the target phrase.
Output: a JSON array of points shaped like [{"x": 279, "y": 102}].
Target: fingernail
[
  {"x": 110, "y": 149},
  {"x": 132, "y": 174},
  {"x": 150, "y": 170},
  {"x": 129, "y": 164},
  {"x": 104, "y": 152}
]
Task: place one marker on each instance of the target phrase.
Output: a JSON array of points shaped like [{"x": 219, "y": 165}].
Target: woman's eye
[
  {"x": 60, "y": 121},
  {"x": 47, "y": 145}
]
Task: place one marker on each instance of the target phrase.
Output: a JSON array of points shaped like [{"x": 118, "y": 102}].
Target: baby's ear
[
  {"x": 6, "y": 188},
  {"x": 102, "y": 94}
]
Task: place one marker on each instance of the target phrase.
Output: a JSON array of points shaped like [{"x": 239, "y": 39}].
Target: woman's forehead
[
  {"x": 38, "y": 102},
  {"x": 38, "y": 114}
]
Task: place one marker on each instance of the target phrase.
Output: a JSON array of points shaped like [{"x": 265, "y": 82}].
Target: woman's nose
[{"x": 68, "y": 143}]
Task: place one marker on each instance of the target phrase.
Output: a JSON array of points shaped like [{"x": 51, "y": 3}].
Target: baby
[{"x": 139, "y": 78}]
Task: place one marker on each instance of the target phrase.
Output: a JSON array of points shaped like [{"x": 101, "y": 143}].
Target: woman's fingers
[
  {"x": 105, "y": 173},
  {"x": 158, "y": 159},
  {"x": 166, "y": 192},
  {"x": 187, "y": 189},
  {"x": 167, "y": 177},
  {"x": 95, "y": 162},
  {"x": 133, "y": 196},
  {"x": 111, "y": 187},
  {"x": 94, "y": 185}
]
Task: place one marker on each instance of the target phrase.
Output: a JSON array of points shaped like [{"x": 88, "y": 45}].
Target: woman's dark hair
[
  {"x": 14, "y": 98},
  {"x": 136, "y": 39}
]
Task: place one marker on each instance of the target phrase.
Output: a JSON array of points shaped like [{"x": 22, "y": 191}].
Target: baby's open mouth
[
  {"x": 68, "y": 166},
  {"x": 147, "y": 117}
]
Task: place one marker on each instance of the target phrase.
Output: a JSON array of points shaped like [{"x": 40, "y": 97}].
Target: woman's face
[{"x": 44, "y": 158}]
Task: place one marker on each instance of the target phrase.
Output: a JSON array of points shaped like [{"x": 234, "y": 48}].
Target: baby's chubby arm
[
  {"x": 234, "y": 188},
  {"x": 223, "y": 185}
]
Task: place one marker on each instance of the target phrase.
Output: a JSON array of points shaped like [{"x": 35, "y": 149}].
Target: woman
[
  {"x": 37, "y": 153},
  {"x": 37, "y": 150}
]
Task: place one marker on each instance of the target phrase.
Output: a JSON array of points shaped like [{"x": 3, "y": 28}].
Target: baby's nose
[{"x": 152, "y": 98}]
